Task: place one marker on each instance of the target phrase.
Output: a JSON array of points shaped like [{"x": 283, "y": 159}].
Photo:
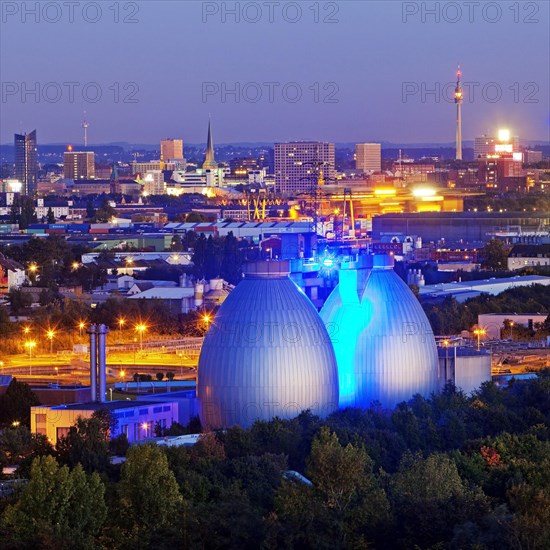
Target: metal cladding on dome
[
  {"x": 267, "y": 354},
  {"x": 384, "y": 345}
]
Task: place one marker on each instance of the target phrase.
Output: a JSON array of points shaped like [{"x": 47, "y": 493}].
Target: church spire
[{"x": 209, "y": 161}]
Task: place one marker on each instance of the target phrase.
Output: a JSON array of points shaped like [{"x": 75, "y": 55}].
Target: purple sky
[{"x": 366, "y": 59}]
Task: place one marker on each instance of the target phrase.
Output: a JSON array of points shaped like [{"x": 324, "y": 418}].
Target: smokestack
[
  {"x": 102, "y": 362},
  {"x": 93, "y": 362}
]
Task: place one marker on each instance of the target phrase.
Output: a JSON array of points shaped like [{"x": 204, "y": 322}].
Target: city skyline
[{"x": 357, "y": 92}]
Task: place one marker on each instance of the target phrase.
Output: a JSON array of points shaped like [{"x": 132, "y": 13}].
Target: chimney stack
[{"x": 98, "y": 362}]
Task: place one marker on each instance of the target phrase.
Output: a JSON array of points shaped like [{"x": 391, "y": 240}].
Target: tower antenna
[
  {"x": 459, "y": 97},
  {"x": 85, "y": 125}
]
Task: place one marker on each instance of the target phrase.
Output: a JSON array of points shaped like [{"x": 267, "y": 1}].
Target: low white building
[
  {"x": 12, "y": 274},
  {"x": 136, "y": 419},
  {"x": 529, "y": 255}
]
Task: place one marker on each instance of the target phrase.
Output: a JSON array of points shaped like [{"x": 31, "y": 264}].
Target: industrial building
[
  {"x": 465, "y": 368},
  {"x": 472, "y": 289},
  {"x": 266, "y": 354},
  {"x": 456, "y": 227},
  {"x": 384, "y": 344},
  {"x": 269, "y": 353},
  {"x": 136, "y": 419}
]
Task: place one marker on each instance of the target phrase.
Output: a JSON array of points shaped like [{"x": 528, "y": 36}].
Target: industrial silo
[
  {"x": 383, "y": 341},
  {"x": 267, "y": 353}
]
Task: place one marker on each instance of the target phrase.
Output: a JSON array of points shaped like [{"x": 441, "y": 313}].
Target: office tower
[
  {"x": 78, "y": 165},
  {"x": 459, "y": 96},
  {"x": 487, "y": 145},
  {"x": 368, "y": 157},
  {"x": 26, "y": 164},
  {"x": 301, "y": 166},
  {"x": 210, "y": 162},
  {"x": 171, "y": 149}
]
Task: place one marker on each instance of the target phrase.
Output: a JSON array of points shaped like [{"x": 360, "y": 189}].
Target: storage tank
[
  {"x": 384, "y": 344},
  {"x": 267, "y": 353}
]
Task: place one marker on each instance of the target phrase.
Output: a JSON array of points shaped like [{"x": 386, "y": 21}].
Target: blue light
[{"x": 328, "y": 263}]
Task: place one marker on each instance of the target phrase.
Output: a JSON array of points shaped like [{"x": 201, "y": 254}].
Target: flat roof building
[
  {"x": 301, "y": 166},
  {"x": 136, "y": 419}
]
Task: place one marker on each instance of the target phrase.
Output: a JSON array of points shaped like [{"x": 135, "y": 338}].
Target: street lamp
[
  {"x": 511, "y": 330},
  {"x": 33, "y": 268},
  {"x": 56, "y": 369},
  {"x": 479, "y": 332},
  {"x": 120, "y": 322},
  {"x": 81, "y": 326},
  {"x": 26, "y": 330},
  {"x": 30, "y": 344},
  {"x": 446, "y": 344},
  {"x": 51, "y": 334},
  {"x": 141, "y": 328}
]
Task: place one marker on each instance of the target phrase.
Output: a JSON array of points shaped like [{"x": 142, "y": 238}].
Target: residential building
[{"x": 300, "y": 167}]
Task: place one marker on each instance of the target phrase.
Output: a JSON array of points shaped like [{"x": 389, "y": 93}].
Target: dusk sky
[{"x": 362, "y": 61}]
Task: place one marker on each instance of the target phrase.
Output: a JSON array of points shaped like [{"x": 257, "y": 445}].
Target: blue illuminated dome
[
  {"x": 266, "y": 354},
  {"x": 384, "y": 344}
]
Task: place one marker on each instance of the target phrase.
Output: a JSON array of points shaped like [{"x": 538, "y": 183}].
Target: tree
[
  {"x": 105, "y": 213},
  {"x": 148, "y": 494},
  {"x": 431, "y": 498},
  {"x": 199, "y": 257},
  {"x": 495, "y": 256},
  {"x": 19, "y": 446},
  {"x": 87, "y": 442},
  {"x": 59, "y": 508},
  {"x": 15, "y": 404},
  {"x": 90, "y": 210},
  {"x": 176, "y": 244},
  {"x": 27, "y": 212},
  {"x": 50, "y": 216},
  {"x": 343, "y": 506},
  {"x": 231, "y": 268}
]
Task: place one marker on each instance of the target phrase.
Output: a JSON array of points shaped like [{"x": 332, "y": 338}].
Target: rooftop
[{"x": 109, "y": 405}]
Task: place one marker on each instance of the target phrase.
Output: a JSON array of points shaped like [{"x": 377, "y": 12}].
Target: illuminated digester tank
[
  {"x": 267, "y": 353},
  {"x": 384, "y": 345}
]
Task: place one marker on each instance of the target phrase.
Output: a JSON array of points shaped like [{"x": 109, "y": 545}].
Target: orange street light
[
  {"x": 30, "y": 344},
  {"x": 50, "y": 334},
  {"x": 81, "y": 326},
  {"x": 479, "y": 332},
  {"x": 141, "y": 328}
]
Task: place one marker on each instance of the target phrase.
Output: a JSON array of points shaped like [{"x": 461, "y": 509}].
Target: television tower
[
  {"x": 459, "y": 96},
  {"x": 85, "y": 125}
]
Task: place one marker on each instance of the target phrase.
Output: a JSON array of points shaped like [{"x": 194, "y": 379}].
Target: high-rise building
[
  {"x": 26, "y": 163},
  {"x": 487, "y": 145},
  {"x": 301, "y": 166},
  {"x": 79, "y": 165},
  {"x": 368, "y": 157},
  {"x": 171, "y": 149}
]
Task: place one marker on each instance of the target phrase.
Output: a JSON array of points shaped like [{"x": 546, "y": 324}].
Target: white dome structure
[
  {"x": 266, "y": 354},
  {"x": 384, "y": 344}
]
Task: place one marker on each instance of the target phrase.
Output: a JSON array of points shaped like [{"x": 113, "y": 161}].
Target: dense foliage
[
  {"x": 451, "y": 317},
  {"x": 449, "y": 472}
]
